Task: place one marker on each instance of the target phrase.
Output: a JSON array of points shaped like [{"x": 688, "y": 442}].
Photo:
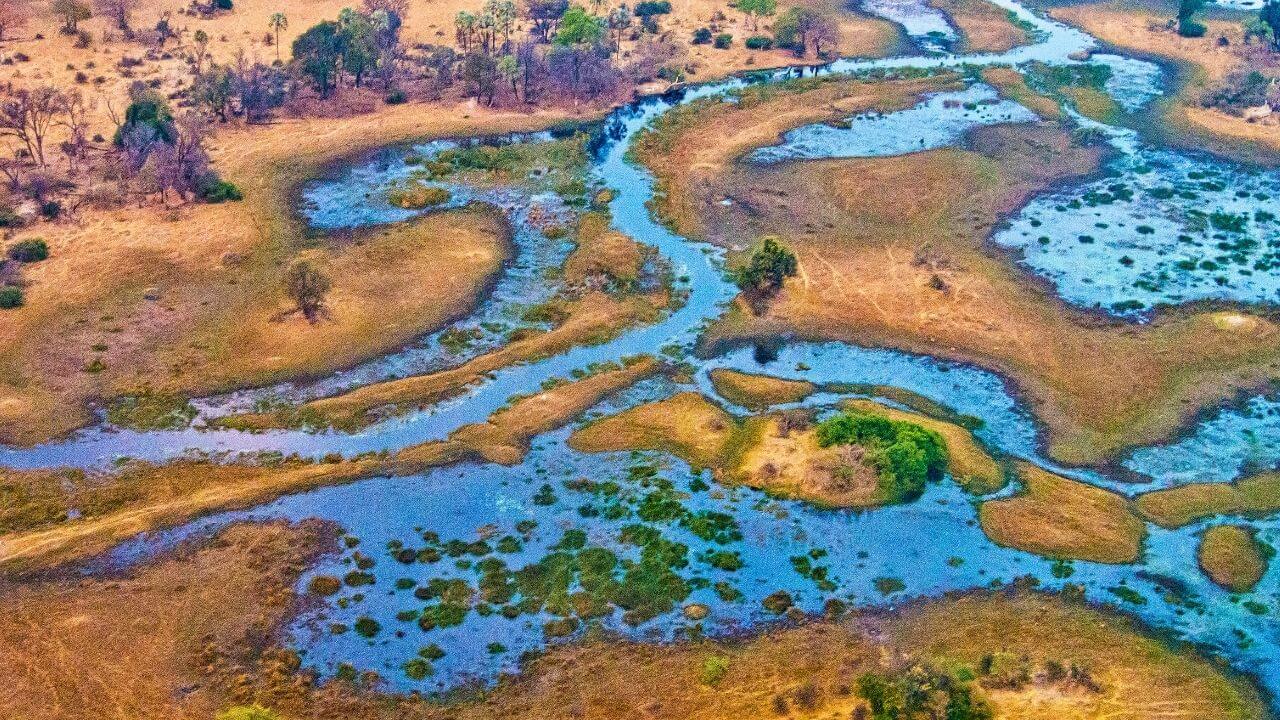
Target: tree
[
  {"x": 13, "y": 14},
  {"x": 359, "y": 45},
  {"x": 29, "y": 114},
  {"x": 259, "y": 88},
  {"x": 546, "y": 15},
  {"x": 307, "y": 288},
  {"x": 464, "y": 29},
  {"x": 619, "y": 19},
  {"x": 1187, "y": 26},
  {"x": 578, "y": 27},
  {"x": 317, "y": 52},
  {"x": 201, "y": 39},
  {"x": 480, "y": 73},
  {"x": 183, "y": 164},
  {"x": 399, "y": 8},
  {"x": 147, "y": 108},
  {"x": 797, "y": 27},
  {"x": 509, "y": 69},
  {"x": 214, "y": 89},
  {"x": 118, "y": 10},
  {"x": 824, "y": 34},
  {"x": 71, "y": 12},
  {"x": 768, "y": 268},
  {"x": 276, "y": 23},
  {"x": 1270, "y": 15},
  {"x": 503, "y": 13},
  {"x": 756, "y": 9}
]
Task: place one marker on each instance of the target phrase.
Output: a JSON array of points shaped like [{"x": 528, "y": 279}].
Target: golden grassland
[
  {"x": 893, "y": 252},
  {"x": 1256, "y": 496},
  {"x": 215, "y": 611},
  {"x": 1232, "y": 557},
  {"x": 1143, "y": 30},
  {"x": 1062, "y": 518},
  {"x": 968, "y": 462},
  {"x": 779, "y": 452},
  {"x": 984, "y": 28},
  {"x": 212, "y": 266},
  {"x": 165, "y": 641},
  {"x": 145, "y": 497},
  {"x": 1013, "y": 85},
  {"x": 602, "y": 272},
  {"x": 757, "y": 392}
]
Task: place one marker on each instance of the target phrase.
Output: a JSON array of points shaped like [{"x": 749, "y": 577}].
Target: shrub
[
  {"x": 307, "y": 287},
  {"x": 768, "y": 268},
  {"x": 395, "y": 97},
  {"x": 1191, "y": 29},
  {"x": 904, "y": 454},
  {"x": 418, "y": 669},
  {"x": 367, "y": 626},
  {"x": 714, "y": 669},
  {"x": 213, "y": 189},
  {"x": 29, "y": 251},
  {"x": 247, "y": 712},
  {"x": 723, "y": 41},
  {"x": 10, "y": 297},
  {"x": 324, "y": 585},
  {"x": 223, "y": 4},
  {"x": 51, "y": 210},
  {"x": 701, "y": 36},
  {"x": 759, "y": 42},
  {"x": 9, "y": 218}
]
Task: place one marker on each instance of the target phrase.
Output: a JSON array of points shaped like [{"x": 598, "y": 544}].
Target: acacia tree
[
  {"x": 71, "y": 12},
  {"x": 276, "y": 23},
  {"x": 118, "y": 10},
  {"x": 756, "y": 9},
  {"x": 13, "y": 14},
  {"x": 546, "y": 15},
  {"x": 307, "y": 287},
  {"x": 29, "y": 114}
]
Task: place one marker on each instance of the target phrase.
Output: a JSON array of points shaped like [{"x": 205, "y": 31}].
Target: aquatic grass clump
[{"x": 904, "y": 454}]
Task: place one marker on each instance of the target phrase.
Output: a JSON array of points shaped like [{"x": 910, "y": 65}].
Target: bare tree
[
  {"x": 399, "y": 7},
  {"x": 181, "y": 165},
  {"x": 824, "y": 35},
  {"x": 29, "y": 114},
  {"x": 307, "y": 287},
  {"x": 13, "y": 14},
  {"x": 76, "y": 122},
  {"x": 121, "y": 11}
]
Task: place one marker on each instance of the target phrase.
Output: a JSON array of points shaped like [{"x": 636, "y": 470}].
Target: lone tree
[
  {"x": 307, "y": 288},
  {"x": 71, "y": 12},
  {"x": 769, "y": 267},
  {"x": 278, "y": 22},
  {"x": 317, "y": 52},
  {"x": 756, "y": 9}
]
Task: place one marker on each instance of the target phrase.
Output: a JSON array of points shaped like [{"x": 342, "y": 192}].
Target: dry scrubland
[
  {"x": 1047, "y": 656},
  {"x": 893, "y": 252},
  {"x": 1140, "y": 29},
  {"x": 141, "y": 498}
]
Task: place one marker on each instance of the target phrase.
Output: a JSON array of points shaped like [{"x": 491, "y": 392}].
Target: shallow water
[
  {"x": 938, "y": 121},
  {"x": 932, "y": 545}
]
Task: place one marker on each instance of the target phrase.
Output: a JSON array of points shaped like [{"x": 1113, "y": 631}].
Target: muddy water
[{"x": 877, "y": 557}]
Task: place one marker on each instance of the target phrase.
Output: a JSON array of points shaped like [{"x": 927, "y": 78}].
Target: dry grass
[
  {"x": 1257, "y": 496},
  {"x": 603, "y": 253},
  {"x": 791, "y": 463},
  {"x": 156, "y": 643},
  {"x": 1232, "y": 557},
  {"x": 968, "y": 463},
  {"x": 892, "y": 252},
  {"x": 984, "y": 28},
  {"x": 1013, "y": 85},
  {"x": 686, "y": 425},
  {"x": 1061, "y": 518},
  {"x": 757, "y": 392},
  {"x": 213, "y": 266},
  {"x": 1139, "y": 29}
]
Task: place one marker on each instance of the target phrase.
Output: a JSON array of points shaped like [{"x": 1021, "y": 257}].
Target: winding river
[{"x": 931, "y": 546}]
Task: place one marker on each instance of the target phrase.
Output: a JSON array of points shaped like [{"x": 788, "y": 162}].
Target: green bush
[
  {"x": 10, "y": 297},
  {"x": 395, "y": 97},
  {"x": 768, "y": 268},
  {"x": 29, "y": 251},
  {"x": 714, "y": 669},
  {"x": 723, "y": 41},
  {"x": 214, "y": 190},
  {"x": 759, "y": 42},
  {"x": 701, "y": 36},
  {"x": 223, "y": 4},
  {"x": 904, "y": 454},
  {"x": 1191, "y": 29}
]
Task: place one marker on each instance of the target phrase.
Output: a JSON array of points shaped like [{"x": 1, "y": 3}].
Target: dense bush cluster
[{"x": 905, "y": 455}]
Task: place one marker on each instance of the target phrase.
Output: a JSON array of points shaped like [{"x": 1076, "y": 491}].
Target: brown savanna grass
[
  {"x": 1062, "y": 518},
  {"x": 1256, "y": 496},
  {"x": 892, "y": 252},
  {"x": 1232, "y": 557},
  {"x": 1143, "y": 30},
  {"x": 984, "y": 28},
  {"x": 757, "y": 392},
  {"x": 686, "y": 425}
]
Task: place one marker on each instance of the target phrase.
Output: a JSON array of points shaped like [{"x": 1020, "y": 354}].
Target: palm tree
[{"x": 278, "y": 22}]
